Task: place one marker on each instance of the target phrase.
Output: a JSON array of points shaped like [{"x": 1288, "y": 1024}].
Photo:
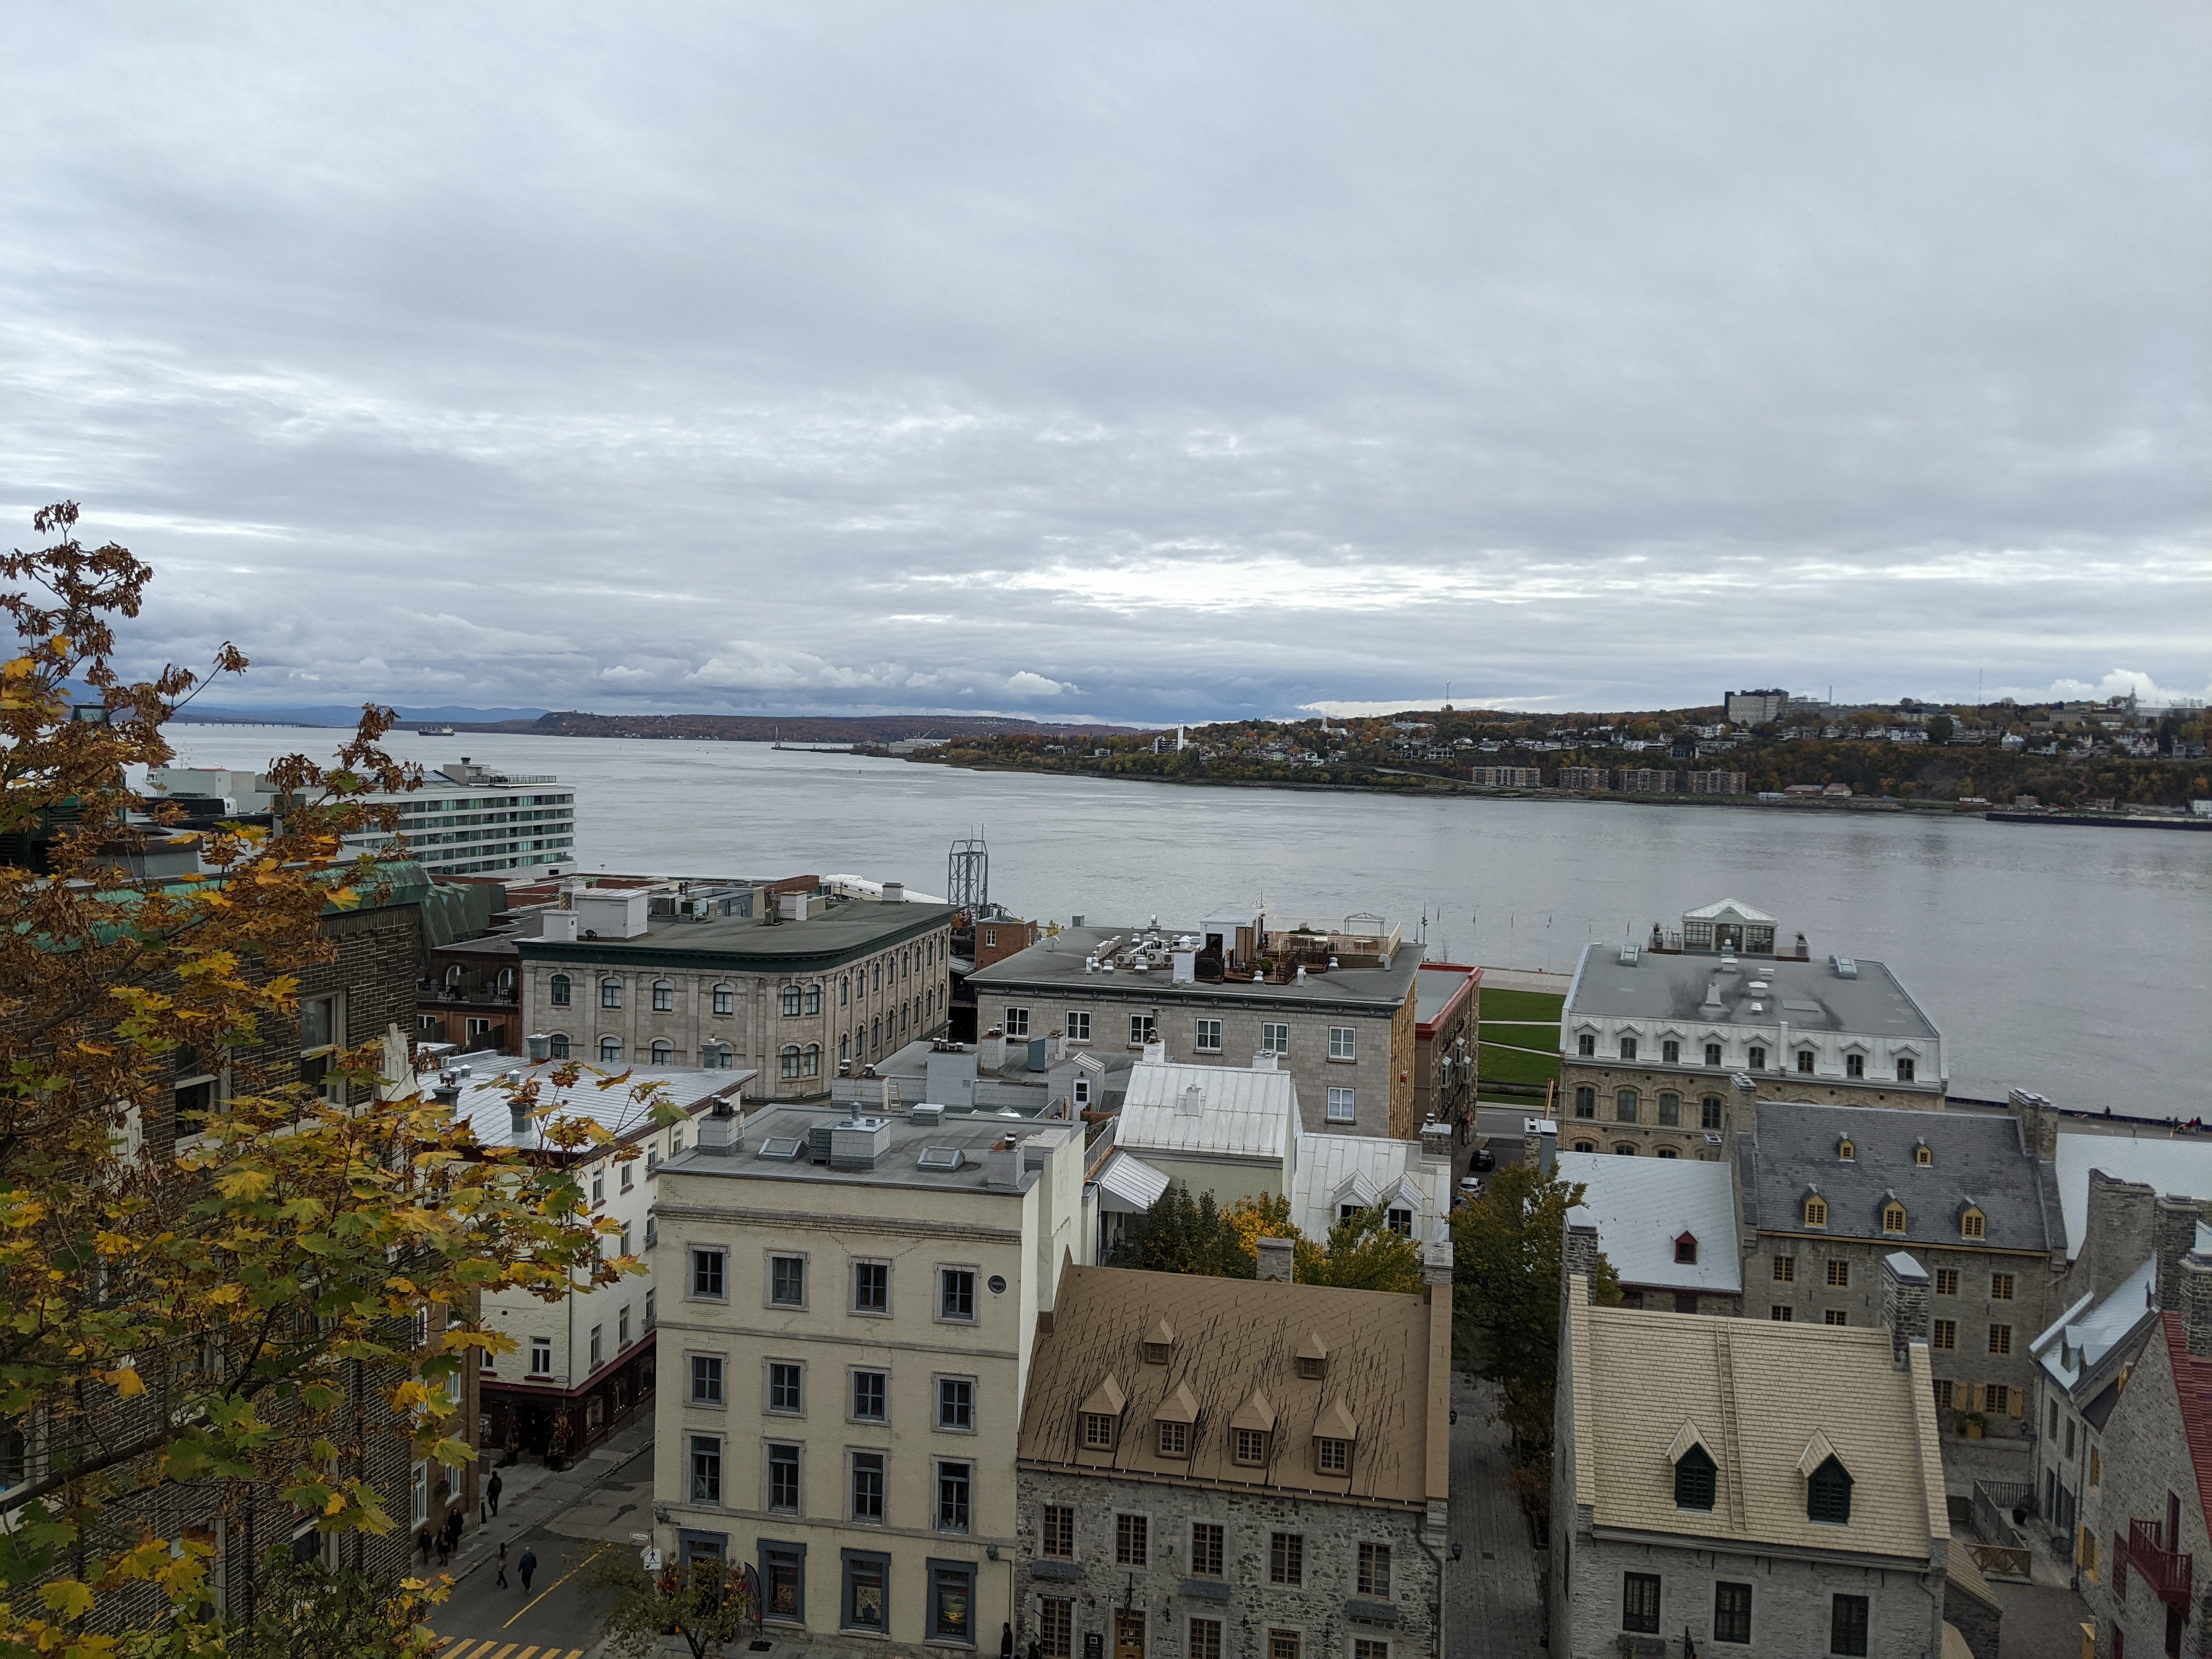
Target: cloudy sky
[{"x": 1124, "y": 361}]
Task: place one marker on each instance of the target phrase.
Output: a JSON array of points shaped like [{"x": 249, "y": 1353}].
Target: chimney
[
  {"x": 1002, "y": 1164},
  {"x": 718, "y": 1130},
  {"x": 2174, "y": 1235},
  {"x": 1437, "y": 1260},
  {"x": 2038, "y": 1124},
  {"x": 538, "y": 1046},
  {"x": 1056, "y": 1047},
  {"x": 2197, "y": 1313},
  {"x": 1903, "y": 1303},
  {"x": 1743, "y": 1115},
  {"x": 2117, "y": 1233},
  {"x": 895, "y": 892},
  {"x": 1278, "y": 1259},
  {"x": 994, "y": 1049},
  {"x": 448, "y": 1095},
  {"x": 1712, "y": 1001},
  {"x": 1437, "y": 1145},
  {"x": 1191, "y": 1103},
  {"x": 1579, "y": 1252},
  {"x": 1156, "y": 1052}
]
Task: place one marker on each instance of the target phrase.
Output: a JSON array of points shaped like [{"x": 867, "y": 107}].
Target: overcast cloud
[{"x": 1111, "y": 360}]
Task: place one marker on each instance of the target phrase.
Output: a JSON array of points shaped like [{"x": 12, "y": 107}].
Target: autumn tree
[
  {"x": 702, "y": 1600},
  {"x": 1180, "y": 1235},
  {"x": 199, "y": 1316}
]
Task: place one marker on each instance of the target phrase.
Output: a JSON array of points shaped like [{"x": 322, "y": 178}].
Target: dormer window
[
  {"x": 1906, "y": 1068},
  {"x": 1846, "y": 1151},
  {"x": 1251, "y": 1447},
  {"x": 1854, "y": 1064},
  {"x": 1334, "y": 1433},
  {"x": 1098, "y": 1419},
  {"x": 1828, "y": 1494},
  {"x": 1922, "y": 1153},
  {"x": 1173, "y": 1438},
  {"x": 1586, "y": 1045},
  {"x": 1973, "y": 1223},
  {"x": 1159, "y": 1342},
  {"x": 1816, "y": 1211},
  {"x": 1686, "y": 1249},
  {"x": 1892, "y": 1218},
  {"x": 1098, "y": 1432},
  {"x": 1696, "y": 1480},
  {"x": 1249, "y": 1431},
  {"x": 1333, "y": 1456},
  {"x": 1628, "y": 1047},
  {"x": 1172, "y": 1424},
  {"x": 1313, "y": 1358}
]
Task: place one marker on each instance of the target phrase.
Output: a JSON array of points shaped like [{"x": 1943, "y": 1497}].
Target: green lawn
[
  {"x": 1520, "y": 1005},
  {"x": 1501, "y": 1064}
]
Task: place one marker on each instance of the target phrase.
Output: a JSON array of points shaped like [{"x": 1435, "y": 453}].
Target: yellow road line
[{"x": 555, "y": 1585}]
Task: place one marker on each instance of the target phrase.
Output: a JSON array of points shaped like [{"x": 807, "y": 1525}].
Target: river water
[{"x": 2077, "y": 962}]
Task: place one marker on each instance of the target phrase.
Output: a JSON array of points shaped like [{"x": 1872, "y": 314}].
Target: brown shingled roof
[{"x": 1238, "y": 1340}]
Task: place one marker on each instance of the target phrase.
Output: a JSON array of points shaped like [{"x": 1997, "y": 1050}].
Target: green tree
[
  {"x": 1365, "y": 1255},
  {"x": 703, "y": 1602},
  {"x": 1940, "y": 728},
  {"x": 195, "y": 1314},
  {"x": 1179, "y": 1234}
]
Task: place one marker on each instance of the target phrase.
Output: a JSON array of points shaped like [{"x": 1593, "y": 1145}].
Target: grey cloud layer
[{"x": 1124, "y": 362}]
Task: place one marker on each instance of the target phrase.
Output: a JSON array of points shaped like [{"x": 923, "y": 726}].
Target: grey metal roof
[
  {"x": 971, "y": 1133},
  {"x": 745, "y": 944},
  {"x": 1808, "y": 996},
  {"x": 1057, "y": 962},
  {"x": 1979, "y": 1158}
]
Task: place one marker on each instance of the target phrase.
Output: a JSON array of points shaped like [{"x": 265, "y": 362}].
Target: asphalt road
[{"x": 557, "y": 1620}]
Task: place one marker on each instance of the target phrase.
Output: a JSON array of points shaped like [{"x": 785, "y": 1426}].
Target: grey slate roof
[
  {"x": 1808, "y": 996},
  {"x": 1981, "y": 1158}
]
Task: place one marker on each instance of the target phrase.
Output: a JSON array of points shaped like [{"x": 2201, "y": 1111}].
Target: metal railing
[{"x": 2168, "y": 1572}]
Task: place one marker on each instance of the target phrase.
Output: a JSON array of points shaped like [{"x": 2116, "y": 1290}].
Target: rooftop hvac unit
[
  {"x": 927, "y": 1112},
  {"x": 856, "y": 1142},
  {"x": 818, "y": 1143}
]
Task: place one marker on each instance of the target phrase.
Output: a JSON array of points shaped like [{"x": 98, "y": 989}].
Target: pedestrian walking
[
  {"x": 426, "y": 1541},
  {"x": 1005, "y": 1642},
  {"x": 492, "y": 1490},
  {"x": 526, "y": 1567},
  {"x": 500, "y": 1583}
]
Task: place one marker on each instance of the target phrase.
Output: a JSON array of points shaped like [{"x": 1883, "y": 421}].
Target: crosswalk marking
[{"x": 473, "y": 1647}]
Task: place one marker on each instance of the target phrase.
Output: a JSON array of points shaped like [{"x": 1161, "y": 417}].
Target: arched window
[
  {"x": 726, "y": 1000},
  {"x": 610, "y": 994},
  {"x": 794, "y": 1001},
  {"x": 879, "y": 975},
  {"x": 557, "y": 1045},
  {"x": 556, "y": 991},
  {"x": 1625, "y": 1106},
  {"x": 1624, "y": 1149},
  {"x": 906, "y": 1015},
  {"x": 1695, "y": 1481},
  {"x": 664, "y": 1053},
  {"x": 609, "y": 1050},
  {"x": 663, "y": 996},
  {"x": 1828, "y": 1494},
  {"x": 1892, "y": 1218},
  {"x": 810, "y": 1061},
  {"x": 1816, "y": 1212},
  {"x": 787, "y": 1062},
  {"x": 876, "y": 1032},
  {"x": 453, "y": 977},
  {"x": 844, "y": 1046},
  {"x": 813, "y": 999},
  {"x": 845, "y": 991},
  {"x": 506, "y": 982},
  {"x": 1585, "y": 1146},
  {"x": 1668, "y": 1151}
]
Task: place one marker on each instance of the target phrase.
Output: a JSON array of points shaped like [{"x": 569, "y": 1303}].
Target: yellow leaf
[
  {"x": 337, "y": 1505},
  {"x": 127, "y": 1381},
  {"x": 68, "y": 1597}
]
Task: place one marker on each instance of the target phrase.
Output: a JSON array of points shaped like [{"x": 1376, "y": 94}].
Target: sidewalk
[
  {"x": 531, "y": 1495},
  {"x": 1494, "y": 1595}
]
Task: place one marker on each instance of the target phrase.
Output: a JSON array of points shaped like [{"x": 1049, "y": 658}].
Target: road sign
[{"x": 650, "y": 1558}]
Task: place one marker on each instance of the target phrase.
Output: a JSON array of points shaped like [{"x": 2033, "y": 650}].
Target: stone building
[
  {"x": 845, "y": 1320},
  {"x": 1825, "y": 1193},
  {"x": 1224, "y": 1469},
  {"x": 1745, "y": 1486},
  {"x": 1668, "y": 1226},
  {"x": 1335, "y": 1008},
  {"x": 844, "y": 984},
  {"x": 1447, "y": 1045},
  {"x": 1651, "y": 1036}
]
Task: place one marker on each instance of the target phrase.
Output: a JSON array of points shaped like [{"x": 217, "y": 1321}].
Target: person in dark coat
[
  {"x": 492, "y": 1490},
  {"x": 526, "y": 1567},
  {"x": 1005, "y": 1642},
  {"x": 426, "y": 1540}
]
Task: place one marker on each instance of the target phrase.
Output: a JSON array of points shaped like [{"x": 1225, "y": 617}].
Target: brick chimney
[
  {"x": 1903, "y": 1303},
  {"x": 2196, "y": 1276},
  {"x": 1579, "y": 1252},
  {"x": 1278, "y": 1259},
  {"x": 2117, "y": 1234},
  {"x": 2173, "y": 1224},
  {"x": 2038, "y": 1124}
]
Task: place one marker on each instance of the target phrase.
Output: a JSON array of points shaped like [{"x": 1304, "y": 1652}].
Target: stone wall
[
  {"x": 1326, "y": 1611},
  {"x": 1694, "y": 1084},
  {"x": 2144, "y": 1458}
]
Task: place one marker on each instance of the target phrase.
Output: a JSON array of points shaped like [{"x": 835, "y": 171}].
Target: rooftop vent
[
  {"x": 927, "y": 1111},
  {"x": 1191, "y": 1102},
  {"x": 1628, "y": 956},
  {"x": 1846, "y": 967},
  {"x": 855, "y": 1143},
  {"x": 784, "y": 1149},
  {"x": 941, "y": 1160}
]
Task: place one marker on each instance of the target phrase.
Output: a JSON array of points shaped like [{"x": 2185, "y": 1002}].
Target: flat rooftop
[
  {"x": 1057, "y": 963},
  {"x": 838, "y": 934},
  {"x": 1435, "y": 984},
  {"x": 765, "y": 1141},
  {"x": 1808, "y": 996}
]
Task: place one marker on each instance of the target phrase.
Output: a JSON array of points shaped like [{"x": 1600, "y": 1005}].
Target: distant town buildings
[{"x": 1755, "y": 708}]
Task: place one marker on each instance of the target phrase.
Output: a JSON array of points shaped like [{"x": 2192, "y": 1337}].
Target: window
[
  {"x": 1585, "y": 1102},
  {"x": 1670, "y": 1110},
  {"x": 1173, "y": 1438},
  {"x": 955, "y": 1293},
  {"x": 664, "y": 1053},
  {"x": 1996, "y": 1399},
  {"x": 1078, "y": 1025},
  {"x": 707, "y": 1275},
  {"x": 871, "y": 1287},
  {"x": 1206, "y": 1549},
  {"x": 1373, "y": 1575},
  {"x": 595, "y": 1344},
  {"x": 1274, "y": 1039},
  {"x": 418, "y": 1503},
  {"x": 790, "y": 999},
  {"x": 1586, "y": 1046},
  {"x": 541, "y": 1356},
  {"x": 599, "y": 1187},
  {"x": 783, "y": 1494},
  {"x": 1286, "y": 1559},
  {"x": 1333, "y": 1456},
  {"x": 1695, "y": 1481},
  {"x": 1731, "y": 1612},
  {"x": 1712, "y": 1053},
  {"x": 2000, "y": 1339},
  {"x": 557, "y": 991},
  {"x": 1282, "y": 1645},
  {"x": 952, "y": 1480},
  {"x": 1058, "y": 1533},
  {"x": 1973, "y": 1225},
  {"x": 951, "y": 1598},
  {"x": 663, "y": 996},
  {"x": 1207, "y": 1036},
  {"x": 1670, "y": 1052},
  {"x": 786, "y": 1061},
  {"x": 1944, "y": 1394},
  {"x": 706, "y": 1469},
  {"x": 610, "y": 994},
  {"x": 1781, "y": 1314},
  {"x": 1892, "y": 1218},
  {"x": 1624, "y": 1149},
  {"x": 1098, "y": 1432},
  {"x": 1905, "y": 1075},
  {"x": 610, "y": 1051},
  {"x": 955, "y": 1403},
  {"x": 629, "y": 1180},
  {"x": 1056, "y": 1628},
  {"x": 1205, "y": 1641},
  {"x": 1312, "y": 1367},
  {"x": 2001, "y": 1287},
  {"x": 1854, "y": 1064},
  {"x": 1363, "y": 1649},
  {"x": 1828, "y": 1494},
  {"x": 1805, "y": 1062},
  {"x": 1639, "y": 1603},
  {"x": 1343, "y": 1043},
  {"x": 1340, "y": 1106},
  {"x": 2096, "y": 1465},
  {"x": 813, "y": 999},
  {"x": 1816, "y": 1214},
  {"x": 867, "y": 1486},
  {"x": 787, "y": 1281},
  {"x": 810, "y": 1060},
  {"x": 1944, "y": 1334},
  {"x": 1947, "y": 1281},
  {"x": 706, "y": 1380},
  {"x": 1786, "y": 1269},
  {"x": 1835, "y": 1316},
  {"x": 1685, "y": 1250},
  {"x": 1756, "y": 1060},
  {"x": 1251, "y": 1447},
  {"x": 864, "y": 1589},
  {"x": 1018, "y": 1021},
  {"x": 1846, "y": 1151},
  {"x": 1709, "y": 1112},
  {"x": 1623, "y": 1106},
  {"x": 870, "y": 1393},
  {"x": 1840, "y": 1275},
  {"x": 557, "y": 1046},
  {"x": 1399, "y": 1222},
  {"x": 786, "y": 1386},
  {"x": 1924, "y": 1154},
  {"x": 1628, "y": 1047},
  {"x": 726, "y": 1000},
  {"x": 1132, "y": 1540}
]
